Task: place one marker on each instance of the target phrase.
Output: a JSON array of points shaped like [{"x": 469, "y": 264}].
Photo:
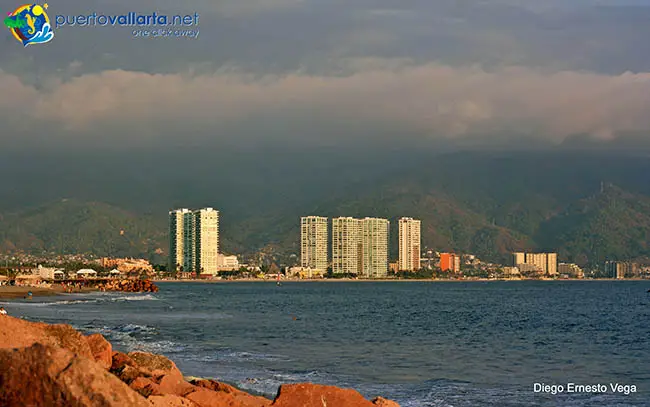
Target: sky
[{"x": 331, "y": 73}]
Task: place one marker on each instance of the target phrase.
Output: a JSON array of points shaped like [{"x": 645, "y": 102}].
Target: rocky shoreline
[{"x": 55, "y": 365}]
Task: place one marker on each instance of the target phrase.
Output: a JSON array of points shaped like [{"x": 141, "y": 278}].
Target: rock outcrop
[
  {"x": 129, "y": 285},
  {"x": 382, "y": 402},
  {"x": 17, "y": 333},
  {"x": 101, "y": 349},
  {"x": 42, "y": 375},
  {"x": 307, "y": 394},
  {"x": 55, "y": 365}
]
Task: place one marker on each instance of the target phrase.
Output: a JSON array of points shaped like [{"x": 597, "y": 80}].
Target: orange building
[{"x": 450, "y": 262}]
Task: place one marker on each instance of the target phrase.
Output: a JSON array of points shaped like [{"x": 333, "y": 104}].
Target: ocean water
[{"x": 443, "y": 344}]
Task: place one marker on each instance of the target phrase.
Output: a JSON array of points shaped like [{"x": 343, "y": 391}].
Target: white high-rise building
[
  {"x": 177, "y": 236},
  {"x": 206, "y": 238},
  {"x": 374, "y": 244},
  {"x": 194, "y": 240},
  {"x": 313, "y": 242},
  {"x": 409, "y": 244},
  {"x": 346, "y": 246}
]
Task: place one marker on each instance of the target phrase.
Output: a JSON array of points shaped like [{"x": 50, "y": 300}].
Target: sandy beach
[{"x": 16, "y": 292}]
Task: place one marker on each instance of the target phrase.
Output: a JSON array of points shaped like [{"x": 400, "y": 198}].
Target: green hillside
[
  {"x": 613, "y": 224},
  {"x": 70, "y": 226},
  {"x": 484, "y": 203}
]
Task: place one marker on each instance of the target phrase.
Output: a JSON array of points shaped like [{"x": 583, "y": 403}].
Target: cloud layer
[{"x": 431, "y": 100}]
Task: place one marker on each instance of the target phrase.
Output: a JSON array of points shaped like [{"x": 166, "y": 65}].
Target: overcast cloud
[{"x": 278, "y": 69}]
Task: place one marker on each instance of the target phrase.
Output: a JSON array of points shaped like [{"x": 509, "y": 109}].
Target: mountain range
[{"x": 587, "y": 206}]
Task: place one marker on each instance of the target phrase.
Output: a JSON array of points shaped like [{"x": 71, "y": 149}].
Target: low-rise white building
[
  {"x": 50, "y": 273},
  {"x": 85, "y": 273},
  {"x": 228, "y": 262}
]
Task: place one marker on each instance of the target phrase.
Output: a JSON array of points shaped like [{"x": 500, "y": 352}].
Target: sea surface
[{"x": 422, "y": 344}]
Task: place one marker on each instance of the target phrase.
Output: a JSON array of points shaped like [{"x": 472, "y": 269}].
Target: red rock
[
  {"x": 169, "y": 400},
  {"x": 101, "y": 349},
  {"x": 165, "y": 373},
  {"x": 174, "y": 384},
  {"x": 209, "y": 398},
  {"x": 145, "y": 386},
  {"x": 382, "y": 402},
  {"x": 154, "y": 363},
  {"x": 315, "y": 395},
  {"x": 237, "y": 396},
  {"x": 18, "y": 333},
  {"x": 46, "y": 376},
  {"x": 120, "y": 360},
  {"x": 128, "y": 374}
]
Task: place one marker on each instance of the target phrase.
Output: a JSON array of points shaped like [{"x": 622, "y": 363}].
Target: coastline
[
  {"x": 51, "y": 365},
  {"x": 8, "y": 292},
  {"x": 369, "y": 280}
]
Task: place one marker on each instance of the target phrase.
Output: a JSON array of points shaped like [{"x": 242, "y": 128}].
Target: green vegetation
[
  {"x": 331, "y": 274},
  {"x": 481, "y": 203},
  {"x": 420, "y": 274}
]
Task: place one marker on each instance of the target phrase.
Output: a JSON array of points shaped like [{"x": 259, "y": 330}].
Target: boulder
[
  {"x": 121, "y": 360},
  {"x": 129, "y": 373},
  {"x": 18, "y": 333},
  {"x": 145, "y": 386},
  {"x": 157, "y": 364},
  {"x": 230, "y": 393},
  {"x": 42, "y": 375},
  {"x": 209, "y": 398},
  {"x": 101, "y": 349},
  {"x": 382, "y": 402},
  {"x": 173, "y": 384},
  {"x": 169, "y": 400},
  {"x": 164, "y": 372},
  {"x": 315, "y": 395}
]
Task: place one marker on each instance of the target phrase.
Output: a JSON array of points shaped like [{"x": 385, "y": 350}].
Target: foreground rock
[
  {"x": 17, "y": 333},
  {"x": 307, "y": 394},
  {"x": 55, "y": 365},
  {"x": 42, "y": 375}
]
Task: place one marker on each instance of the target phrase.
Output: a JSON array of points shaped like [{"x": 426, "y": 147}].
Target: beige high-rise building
[
  {"x": 177, "y": 238},
  {"x": 346, "y": 246},
  {"x": 546, "y": 262},
  {"x": 409, "y": 244},
  {"x": 518, "y": 258},
  {"x": 313, "y": 242},
  {"x": 374, "y": 244},
  {"x": 206, "y": 238}
]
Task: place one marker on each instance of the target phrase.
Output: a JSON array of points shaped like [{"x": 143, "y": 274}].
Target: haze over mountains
[{"x": 483, "y": 202}]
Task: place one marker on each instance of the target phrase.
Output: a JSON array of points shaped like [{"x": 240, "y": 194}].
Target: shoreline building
[
  {"x": 409, "y": 244},
  {"x": 346, "y": 246},
  {"x": 545, "y": 262},
  {"x": 206, "y": 241},
  {"x": 194, "y": 240},
  {"x": 228, "y": 262},
  {"x": 450, "y": 262},
  {"x": 621, "y": 269},
  {"x": 177, "y": 238},
  {"x": 313, "y": 242},
  {"x": 374, "y": 245},
  {"x": 570, "y": 270}
]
